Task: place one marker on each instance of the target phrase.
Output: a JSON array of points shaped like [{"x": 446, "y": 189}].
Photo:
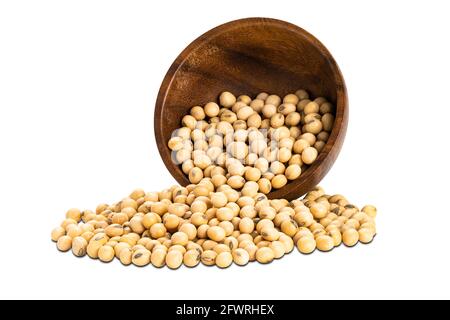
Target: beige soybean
[
  {"x": 241, "y": 257},
  {"x": 277, "y": 120},
  {"x": 189, "y": 229},
  {"x": 106, "y": 253},
  {"x": 74, "y": 214},
  {"x": 64, "y": 243},
  {"x": 157, "y": 230},
  {"x": 216, "y": 233},
  {"x": 270, "y": 234},
  {"x": 125, "y": 256},
  {"x": 265, "y": 255},
  {"x": 227, "y": 99},
  {"x": 179, "y": 238},
  {"x": 273, "y": 100},
  {"x": 57, "y": 233},
  {"x": 208, "y": 257},
  {"x": 278, "y": 249},
  {"x": 141, "y": 257},
  {"x": 286, "y": 108},
  {"x": 211, "y": 109},
  {"x": 293, "y": 119},
  {"x": 252, "y": 174},
  {"x": 370, "y": 210},
  {"x": 279, "y": 181},
  {"x": 365, "y": 235},
  {"x": 174, "y": 259},
  {"x": 269, "y": 110},
  {"x": 324, "y": 243},
  {"x": 191, "y": 258},
  {"x": 309, "y": 155},
  {"x": 293, "y": 171},
  {"x": 300, "y": 145},
  {"x": 311, "y": 107},
  {"x": 327, "y": 121},
  {"x": 74, "y": 231},
  {"x": 319, "y": 210},
  {"x": 302, "y": 94},
  {"x": 246, "y": 225},
  {"x": 224, "y": 259},
  {"x": 198, "y": 113},
  {"x": 158, "y": 257},
  {"x": 291, "y": 98},
  {"x": 79, "y": 246},
  {"x": 289, "y": 227},
  {"x": 306, "y": 244}
]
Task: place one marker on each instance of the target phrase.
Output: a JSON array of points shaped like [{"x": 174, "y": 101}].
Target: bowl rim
[{"x": 326, "y": 158}]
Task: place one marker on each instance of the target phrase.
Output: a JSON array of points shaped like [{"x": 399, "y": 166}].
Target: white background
[{"x": 78, "y": 83}]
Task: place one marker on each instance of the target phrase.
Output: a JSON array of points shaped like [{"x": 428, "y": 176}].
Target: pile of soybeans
[{"x": 234, "y": 155}]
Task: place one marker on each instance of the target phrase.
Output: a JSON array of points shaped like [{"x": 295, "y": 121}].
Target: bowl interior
[{"x": 248, "y": 57}]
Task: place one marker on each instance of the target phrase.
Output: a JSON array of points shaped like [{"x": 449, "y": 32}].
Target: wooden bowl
[{"x": 250, "y": 56}]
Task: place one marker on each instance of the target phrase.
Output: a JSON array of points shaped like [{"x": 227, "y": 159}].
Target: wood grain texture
[{"x": 249, "y": 56}]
